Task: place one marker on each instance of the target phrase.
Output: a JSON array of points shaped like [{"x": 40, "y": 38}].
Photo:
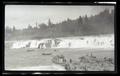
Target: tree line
[{"x": 102, "y": 23}]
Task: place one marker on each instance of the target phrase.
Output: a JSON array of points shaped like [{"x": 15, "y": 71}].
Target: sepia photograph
[{"x": 59, "y": 38}]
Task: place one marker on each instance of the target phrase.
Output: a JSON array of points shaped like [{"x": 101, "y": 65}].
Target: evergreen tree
[
  {"x": 80, "y": 20},
  {"x": 49, "y": 23},
  {"x": 29, "y": 27},
  {"x": 8, "y": 29},
  {"x": 14, "y": 29},
  {"x": 43, "y": 26},
  {"x": 86, "y": 20}
]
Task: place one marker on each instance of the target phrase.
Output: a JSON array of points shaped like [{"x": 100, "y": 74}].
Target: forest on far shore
[{"x": 102, "y": 23}]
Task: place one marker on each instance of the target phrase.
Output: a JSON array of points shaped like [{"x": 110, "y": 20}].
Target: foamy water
[{"x": 105, "y": 41}]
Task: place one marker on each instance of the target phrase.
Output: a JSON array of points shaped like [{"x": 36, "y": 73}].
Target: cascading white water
[{"x": 106, "y": 41}]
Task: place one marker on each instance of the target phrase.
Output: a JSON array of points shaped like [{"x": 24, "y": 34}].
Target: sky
[{"x": 21, "y": 16}]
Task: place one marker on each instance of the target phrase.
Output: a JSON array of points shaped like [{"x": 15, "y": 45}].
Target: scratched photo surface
[{"x": 59, "y": 38}]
